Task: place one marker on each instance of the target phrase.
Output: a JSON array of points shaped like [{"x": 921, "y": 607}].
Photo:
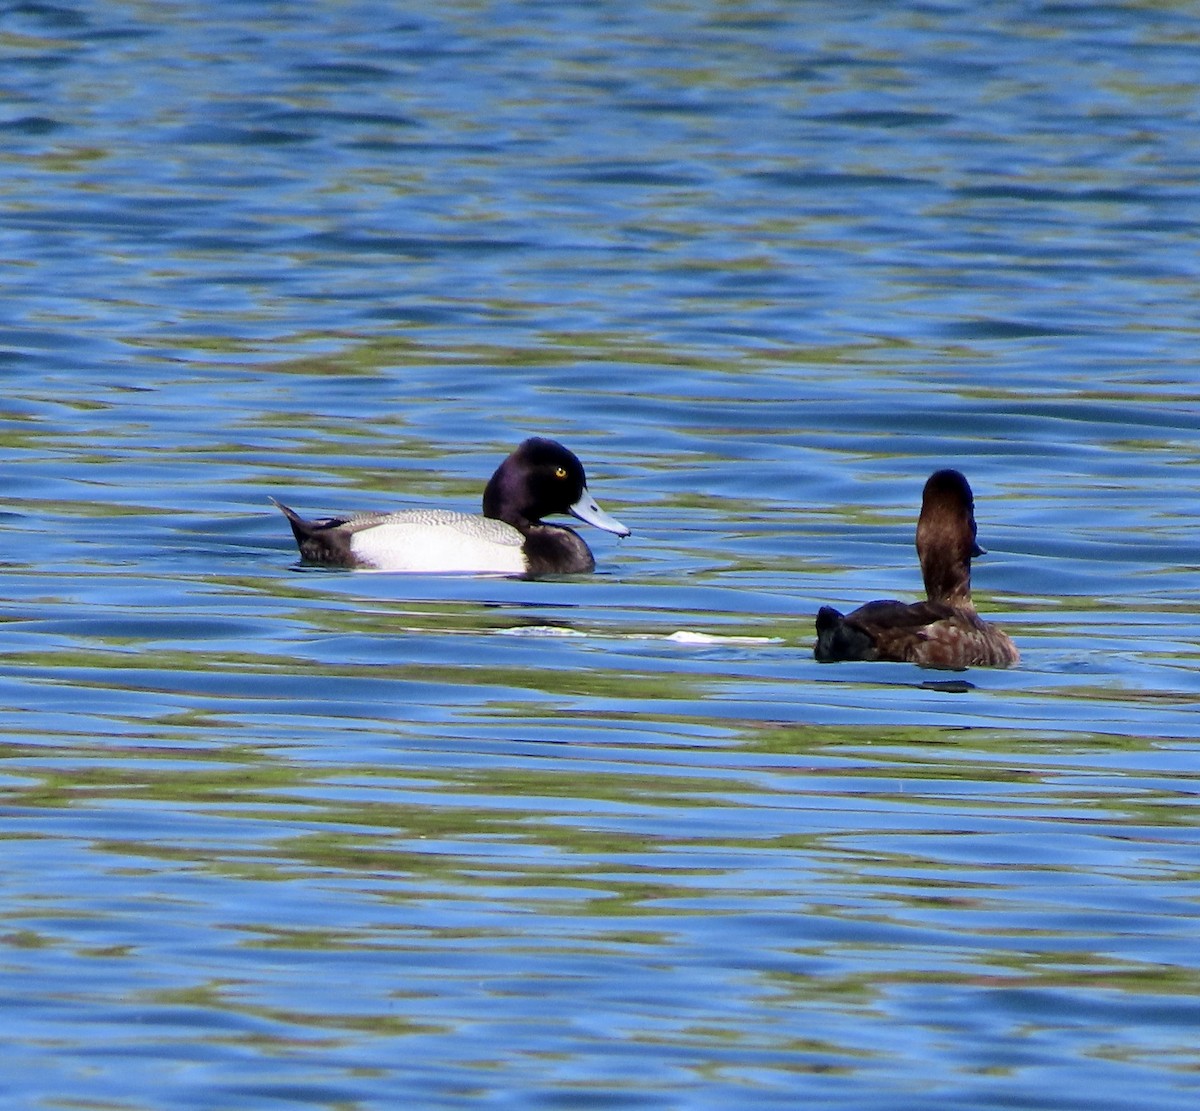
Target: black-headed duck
[
  {"x": 539, "y": 478},
  {"x": 943, "y": 632}
]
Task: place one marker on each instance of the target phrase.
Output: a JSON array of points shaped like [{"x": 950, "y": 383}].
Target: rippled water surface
[{"x": 278, "y": 837}]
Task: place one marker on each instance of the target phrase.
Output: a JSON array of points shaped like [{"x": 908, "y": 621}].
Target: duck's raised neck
[{"x": 946, "y": 538}]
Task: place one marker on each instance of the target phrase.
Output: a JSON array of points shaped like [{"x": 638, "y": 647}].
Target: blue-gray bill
[{"x": 587, "y": 510}]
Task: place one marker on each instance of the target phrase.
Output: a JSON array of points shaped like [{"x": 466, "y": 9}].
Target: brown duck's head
[{"x": 946, "y": 537}]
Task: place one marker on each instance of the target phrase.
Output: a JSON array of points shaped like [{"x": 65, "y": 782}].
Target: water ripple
[{"x": 278, "y": 836}]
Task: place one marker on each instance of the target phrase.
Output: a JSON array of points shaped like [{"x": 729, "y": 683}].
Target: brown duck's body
[
  {"x": 943, "y": 632},
  {"x": 922, "y": 633}
]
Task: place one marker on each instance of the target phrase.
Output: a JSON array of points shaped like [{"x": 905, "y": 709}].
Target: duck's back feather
[
  {"x": 420, "y": 540},
  {"x": 436, "y": 540}
]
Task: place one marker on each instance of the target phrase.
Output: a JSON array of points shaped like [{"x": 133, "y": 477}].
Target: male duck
[
  {"x": 945, "y": 631},
  {"x": 539, "y": 478}
]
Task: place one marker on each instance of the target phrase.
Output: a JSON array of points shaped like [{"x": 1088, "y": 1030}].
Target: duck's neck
[
  {"x": 556, "y": 550},
  {"x": 947, "y": 578},
  {"x": 495, "y": 501}
]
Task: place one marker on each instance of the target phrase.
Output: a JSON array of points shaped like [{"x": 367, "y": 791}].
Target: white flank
[
  {"x": 438, "y": 541},
  {"x": 540, "y": 631}
]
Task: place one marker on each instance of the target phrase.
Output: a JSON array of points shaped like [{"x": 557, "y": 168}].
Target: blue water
[{"x": 279, "y": 838}]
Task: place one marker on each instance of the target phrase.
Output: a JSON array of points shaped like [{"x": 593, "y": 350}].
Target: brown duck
[{"x": 943, "y": 632}]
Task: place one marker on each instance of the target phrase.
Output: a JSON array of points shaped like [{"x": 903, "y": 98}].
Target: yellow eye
[{"x": 560, "y": 472}]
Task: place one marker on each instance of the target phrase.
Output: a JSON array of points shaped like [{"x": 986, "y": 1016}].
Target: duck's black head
[{"x": 540, "y": 478}]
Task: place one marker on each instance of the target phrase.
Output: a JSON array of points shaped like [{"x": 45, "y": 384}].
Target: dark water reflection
[{"x": 300, "y": 839}]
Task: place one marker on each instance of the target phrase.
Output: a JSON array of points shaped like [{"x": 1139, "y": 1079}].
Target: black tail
[
  {"x": 301, "y": 529},
  {"x": 837, "y": 639},
  {"x": 320, "y": 541}
]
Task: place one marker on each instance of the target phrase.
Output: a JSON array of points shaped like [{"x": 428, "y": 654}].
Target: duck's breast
[
  {"x": 437, "y": 541},
  {"x": 963, "y": 640}
]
